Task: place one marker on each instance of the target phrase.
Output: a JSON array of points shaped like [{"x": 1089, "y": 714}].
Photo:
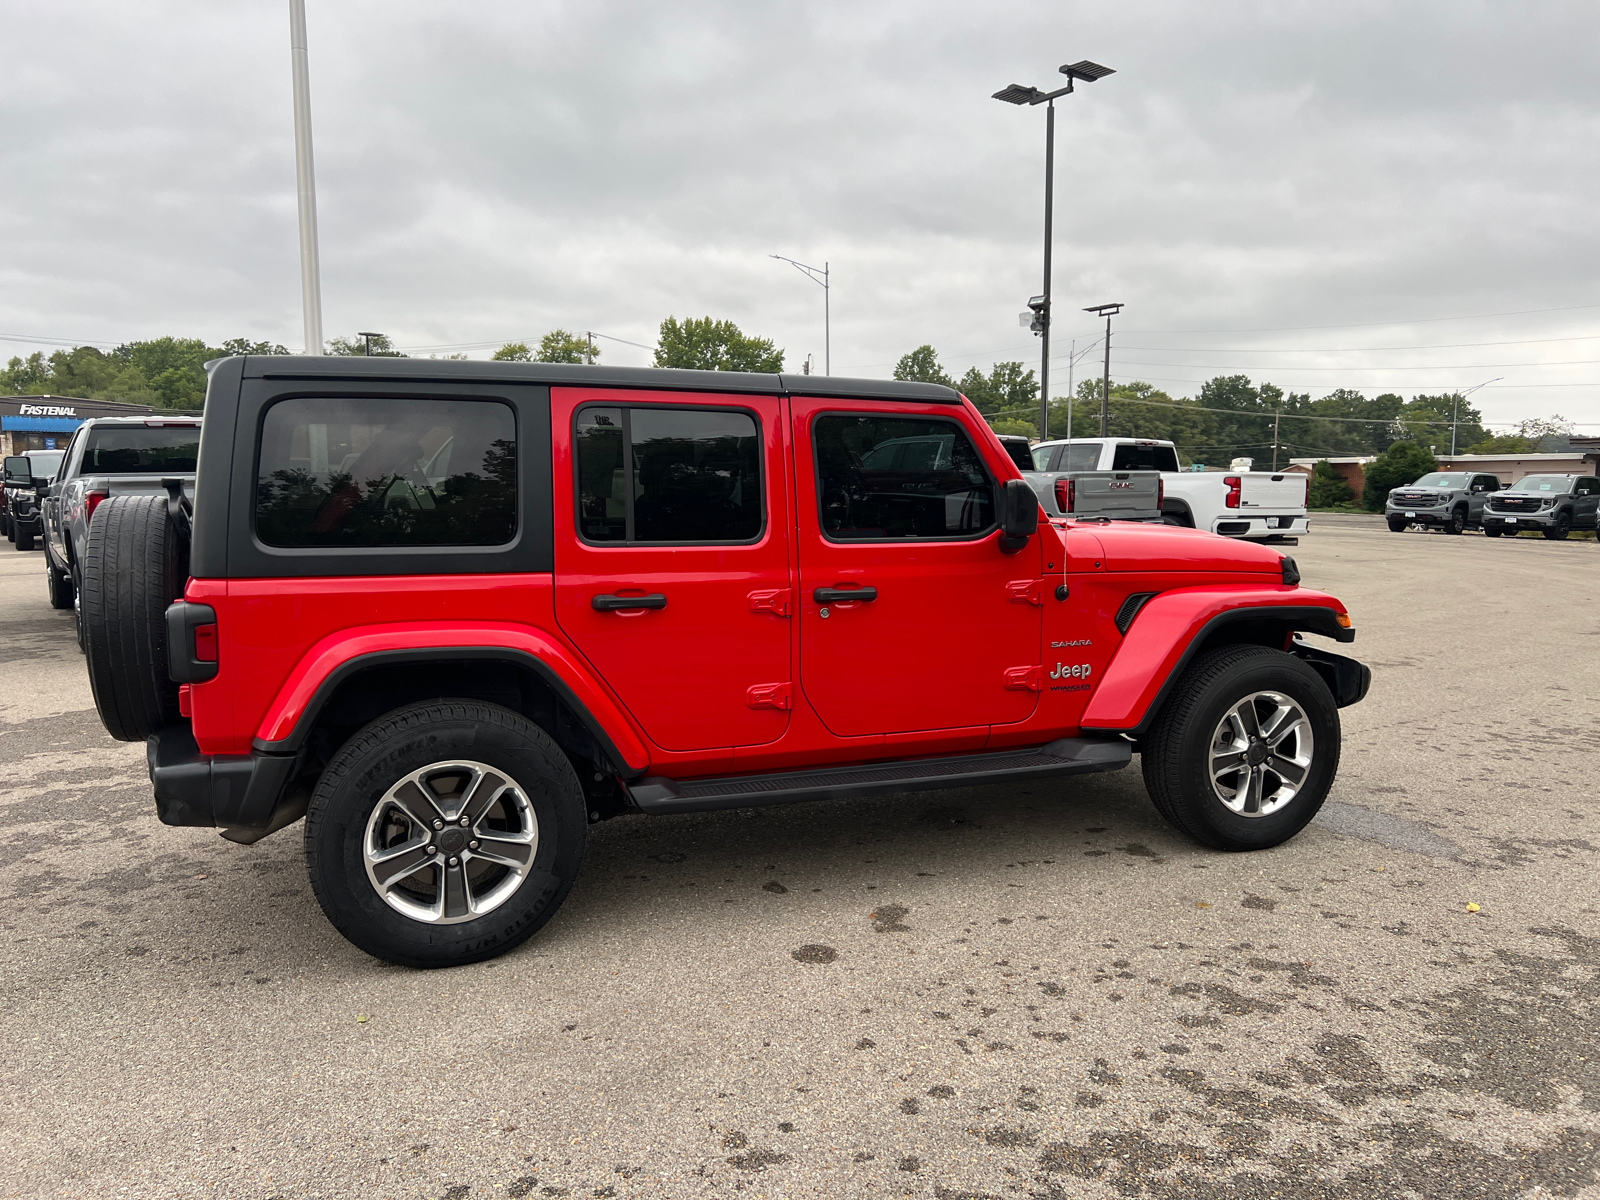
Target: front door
[
  {"x": 672, "y": 558},
  {"x": 897, "y": 504}
]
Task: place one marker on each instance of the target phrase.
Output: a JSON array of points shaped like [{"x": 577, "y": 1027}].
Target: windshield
[
  {"x": 1547, "y": 484},
  {"x": 45, "y": 462},
  {"x": 141, "y": 449},
  {"x": 1439, "y": 479}
]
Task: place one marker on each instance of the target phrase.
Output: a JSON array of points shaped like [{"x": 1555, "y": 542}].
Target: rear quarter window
[{"x": 375, "y": 471}]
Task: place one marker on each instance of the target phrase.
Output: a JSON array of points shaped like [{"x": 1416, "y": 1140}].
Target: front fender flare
[
  {"x": 1170, "y": 628},
  {"x": 332, "y": 660}
]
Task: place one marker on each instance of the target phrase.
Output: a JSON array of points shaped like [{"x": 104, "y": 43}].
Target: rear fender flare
[
  {"x": 318, "y": 674},
  {"x": 1170, "y": 629}
]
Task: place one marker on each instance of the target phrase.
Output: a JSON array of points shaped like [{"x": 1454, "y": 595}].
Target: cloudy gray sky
[{"x": 1389, "y": 195}]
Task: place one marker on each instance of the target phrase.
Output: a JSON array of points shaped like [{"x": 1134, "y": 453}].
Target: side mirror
[{"x": 1019, "y": 514}]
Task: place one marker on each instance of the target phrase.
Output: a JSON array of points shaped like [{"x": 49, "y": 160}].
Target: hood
[{"x": 1131, "y": 546}]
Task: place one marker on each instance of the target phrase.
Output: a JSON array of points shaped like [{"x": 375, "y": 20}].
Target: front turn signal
[{"x": 1343, "y": 620}]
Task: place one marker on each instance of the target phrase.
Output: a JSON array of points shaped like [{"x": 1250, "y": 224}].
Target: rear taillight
[
  {"x": 1065, "y": 494},
  {"x": 1306, "y": 503},
  {"x": 91, "y": 501},
  {"x": 1234, "y": 485},
  {"x": 1161, "y": 494},
  {"x": 205, "y": 643}
]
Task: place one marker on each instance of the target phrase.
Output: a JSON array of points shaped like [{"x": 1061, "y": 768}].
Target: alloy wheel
[
  {"x": 1260, "y": 754},
  {"x": 450, "y": 842}
]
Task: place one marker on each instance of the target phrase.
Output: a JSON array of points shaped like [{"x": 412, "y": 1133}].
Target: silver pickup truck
[
  {"x": 1067, "y": 487},
  {"x": 109, "y": 456}
]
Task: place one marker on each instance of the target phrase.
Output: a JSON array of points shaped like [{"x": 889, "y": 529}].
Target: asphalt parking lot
[{"x": 1035, "y": 991}]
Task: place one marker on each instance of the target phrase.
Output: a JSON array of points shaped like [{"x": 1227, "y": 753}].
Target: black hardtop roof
[{"x": 580, "y": 375}]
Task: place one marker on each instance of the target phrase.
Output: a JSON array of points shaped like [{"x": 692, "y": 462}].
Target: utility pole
[
  {"x": 305, "y": 179},
  {"x": 1107, "y": 311},
  {"x": 1276, "y": 414}
]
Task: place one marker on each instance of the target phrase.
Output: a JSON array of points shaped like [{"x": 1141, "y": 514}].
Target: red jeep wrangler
[{"x": 452, "y": 612}]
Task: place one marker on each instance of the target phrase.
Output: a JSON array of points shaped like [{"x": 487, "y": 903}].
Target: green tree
[
  {"x": 1328, "y": 488},
  {"x": 1013, "y": 425},
  {"x": 1505, "y": 443},
  {"x": 246, "y": 346},
  {"x": 922, "y": 366},
  {"x": 1427, "y": 419},
  {"x": 1400, "y": 464},
  {"x": 1139, "y": 409},
  {"x": 513, "y": 352},
  {"x": 1006, "y": 389},
  {"x": 559, "y": 346},
  {"x": 356, "y": 347},
  {"x": 700, "y": 343}
]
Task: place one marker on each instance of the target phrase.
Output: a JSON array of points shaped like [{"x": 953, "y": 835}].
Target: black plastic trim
[
  {"x": 341, "y": 673},
  {"x": 1130, "y": 609},
  {"x": 1307, "y": 617},
  {"x": 208, "y": 551},
  {"x": 1346, "y": 678},
  {"x": 658, "y": 795},
  {"x": 242, "y": 794}
]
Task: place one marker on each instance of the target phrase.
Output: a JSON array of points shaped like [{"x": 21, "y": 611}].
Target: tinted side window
[
  {"x": 673, "y": 475},
  {"x": 900, "y": 477},
  {"x": 141, "y": 449},
  {"x": 1079, "y": 458},
  {"x": 370, "y": 471},
  {"x": 1144, "y": 458}
]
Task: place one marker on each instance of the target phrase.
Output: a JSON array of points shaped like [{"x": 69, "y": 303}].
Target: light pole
[
  {"x": 1107, "y": 311},
  {"x": 367, "y": 350},
  {"x": 1039, "y": 320},
  {"x": 1455, "y": 409},
  {"x": 821, "y": 279},
  {"x": 305, "y": 180}
]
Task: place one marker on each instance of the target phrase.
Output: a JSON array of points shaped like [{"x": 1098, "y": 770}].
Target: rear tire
[
  {"x": 1396, "y": 526},
  {"x": 1562, "y": 527},
  {"x": 360, "y": 813},
  {"x": 1239, "y": 716},
  {"x": 58, "y": 584},
  {"x": 133, "y": 568}
]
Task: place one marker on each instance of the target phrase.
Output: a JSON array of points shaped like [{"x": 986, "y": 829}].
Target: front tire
[
  {"x": 1244, "y": 751},
  {"x": 1396, "y": 526},
  {"x": 1458, "y": 522},
  {"x": 1491, "y": 531},
  {"x": 1562, "y": 527},
  {"x": 24, "y": 541},
  {"x": 445, "y": 833},
  {"x": 58, "y": 584}
]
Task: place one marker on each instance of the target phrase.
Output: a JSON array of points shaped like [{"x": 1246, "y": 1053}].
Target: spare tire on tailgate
[{"x": 134, "y": 565}]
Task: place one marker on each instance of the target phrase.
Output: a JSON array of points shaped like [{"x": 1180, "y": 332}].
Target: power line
[
  {"x": 1584, "y": 337},
  {"x": 1571, "y": 362}
]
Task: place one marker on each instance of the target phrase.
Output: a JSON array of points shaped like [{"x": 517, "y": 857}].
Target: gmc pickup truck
[
  {"x": 1263, "y": 506},
  {"x": 451, "y": 613},
  {"x": 108, "y": 456},
  {"x": 1069, "y": 484}
]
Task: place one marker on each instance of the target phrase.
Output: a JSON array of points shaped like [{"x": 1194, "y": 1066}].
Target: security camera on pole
[{"x": 1038, "y": 316}]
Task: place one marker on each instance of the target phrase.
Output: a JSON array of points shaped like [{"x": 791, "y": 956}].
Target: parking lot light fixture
[
  {"x": 821, "y": 279},
  {"x": 1021, "y": 94},
  {"x": 362, "y": 333},
  {"x": 1455, "y": 409},
  {"x": 1107, "y": 311}
]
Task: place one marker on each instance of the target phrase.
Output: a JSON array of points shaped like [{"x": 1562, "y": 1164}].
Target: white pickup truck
[{"x": 1260, "y": 505}]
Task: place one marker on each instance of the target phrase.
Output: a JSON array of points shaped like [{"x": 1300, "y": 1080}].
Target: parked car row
[
  {"x": 1455, "y": 501},
  {"x": 53, "y": 494}
]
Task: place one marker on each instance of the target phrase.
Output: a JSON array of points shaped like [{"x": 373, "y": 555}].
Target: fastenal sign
[{"x": 45, "y": 410}]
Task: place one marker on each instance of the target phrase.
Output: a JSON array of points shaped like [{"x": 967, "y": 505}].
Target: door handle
[
  {"x": 844, "y": 595},
  {"x": 618, "y": 603}
]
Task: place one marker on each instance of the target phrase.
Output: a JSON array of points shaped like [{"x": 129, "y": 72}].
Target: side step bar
[{"x": 658, "y": 795}]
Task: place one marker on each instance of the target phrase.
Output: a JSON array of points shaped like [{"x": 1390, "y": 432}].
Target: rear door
[
  {"x": 672, "y": 558},
  {"x": 896, "y": 504}
]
